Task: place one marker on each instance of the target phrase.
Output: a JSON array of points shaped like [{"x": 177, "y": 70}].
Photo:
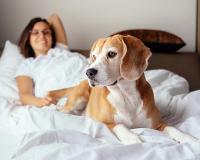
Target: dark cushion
[{"x": 156, "y": 40}]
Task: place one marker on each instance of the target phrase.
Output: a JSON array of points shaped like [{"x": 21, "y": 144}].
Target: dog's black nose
[{"x": 91, "y": 73}]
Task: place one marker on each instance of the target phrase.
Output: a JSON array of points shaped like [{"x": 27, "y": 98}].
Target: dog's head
[{"x": 117, "y": 57}]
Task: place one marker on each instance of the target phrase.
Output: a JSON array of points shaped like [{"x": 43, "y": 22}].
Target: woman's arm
[
  {"x": 25, "y": 86},
  {"x": 57, "y": 24}
]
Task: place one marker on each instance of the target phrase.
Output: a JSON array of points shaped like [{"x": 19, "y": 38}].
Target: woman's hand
[
  {"x": 25, "y": 86},
  {"x": 46, "y": 101}
]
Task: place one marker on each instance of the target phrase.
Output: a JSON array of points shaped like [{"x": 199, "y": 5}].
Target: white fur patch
[
  {"x": 126, "y": 136},
  {"x": 178, "y": 135},
  {"x": 78, "y": 108},
  {"x": 128, "y": 104},
  {"x": 80, "y": 104}
]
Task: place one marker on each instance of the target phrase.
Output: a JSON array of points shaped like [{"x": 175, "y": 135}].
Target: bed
[{"x": 44, "y": 133}]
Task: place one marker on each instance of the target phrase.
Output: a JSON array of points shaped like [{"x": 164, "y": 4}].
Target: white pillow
[
  {"x": 9, "y": 62},
  {"x": 11, "y": 57}
]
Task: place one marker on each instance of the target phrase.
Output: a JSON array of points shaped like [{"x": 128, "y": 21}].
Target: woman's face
[{"x": 40, "y": 38}]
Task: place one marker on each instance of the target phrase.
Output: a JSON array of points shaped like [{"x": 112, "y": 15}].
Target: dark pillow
[{"x": 156, "y": 40}]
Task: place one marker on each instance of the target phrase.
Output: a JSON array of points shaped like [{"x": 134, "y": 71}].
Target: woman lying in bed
[{"x": 39, "y": 42}]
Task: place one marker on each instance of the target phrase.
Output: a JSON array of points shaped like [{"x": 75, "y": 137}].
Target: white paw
[
  {"x": 179, "y": 136},
  {"x": 188, "y": 139},
  {"x": 80, "y": 104},
  {"x": 126, "y": 136},
  {"x": 64, "y": 110},
  {"x": 131, "y": 140}
]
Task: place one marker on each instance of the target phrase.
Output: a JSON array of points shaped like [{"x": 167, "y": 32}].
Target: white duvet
[{"x": 30, "y": 133}]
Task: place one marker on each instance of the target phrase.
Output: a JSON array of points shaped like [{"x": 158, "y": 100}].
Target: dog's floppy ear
[{"x": 135, "y": 59}]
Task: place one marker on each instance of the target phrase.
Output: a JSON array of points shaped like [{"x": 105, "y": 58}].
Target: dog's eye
[{"x": 111, "y": 54}]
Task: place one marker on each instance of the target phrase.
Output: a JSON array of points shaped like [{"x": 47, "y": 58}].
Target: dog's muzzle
[{"x": 91, "y": 73}]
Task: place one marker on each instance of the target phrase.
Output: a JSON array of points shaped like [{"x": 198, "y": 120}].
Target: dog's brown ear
[{"x": 135, "y": 60}]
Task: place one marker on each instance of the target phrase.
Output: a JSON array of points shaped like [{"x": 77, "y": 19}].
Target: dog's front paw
[
  {"x": 125, "y": 136},
  {"x": 131, "y": 139},
  {"x": 64, "y": 110},
  {"x": 74, "y": 106},
  {"x": 179, "y": 136}
]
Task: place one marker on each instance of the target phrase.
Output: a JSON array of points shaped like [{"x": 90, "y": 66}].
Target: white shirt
[{"x": 59, "y": 68}]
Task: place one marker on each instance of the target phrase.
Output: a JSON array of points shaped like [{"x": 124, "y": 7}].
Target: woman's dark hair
[{"x": 24, "y": 43}]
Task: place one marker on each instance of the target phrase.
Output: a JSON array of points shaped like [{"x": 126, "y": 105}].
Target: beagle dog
[{"x": 119, "y": 95}]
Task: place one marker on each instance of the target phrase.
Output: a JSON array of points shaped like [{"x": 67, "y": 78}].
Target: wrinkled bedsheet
[{"x": 30, "y": 133}]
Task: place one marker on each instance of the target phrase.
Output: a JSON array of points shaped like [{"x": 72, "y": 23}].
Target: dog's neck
[
  {"x": 126, "y": 99},
  {"x": 127, "y": 90}
]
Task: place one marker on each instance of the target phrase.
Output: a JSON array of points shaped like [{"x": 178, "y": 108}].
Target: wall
[{"x": 87, "y": 20}]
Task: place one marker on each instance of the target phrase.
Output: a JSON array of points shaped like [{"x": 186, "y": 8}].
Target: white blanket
[{"x": 30, "y": 133}]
